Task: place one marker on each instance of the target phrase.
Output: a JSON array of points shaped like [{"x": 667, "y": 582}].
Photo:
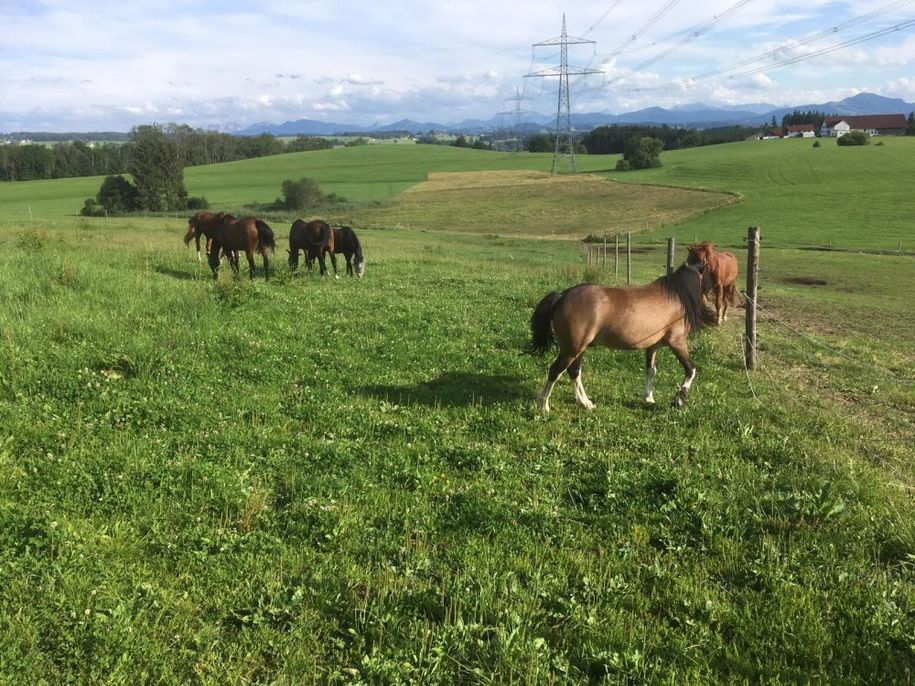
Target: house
[
  {"x": 800, "y": 131},
  {"x": 873, "y": 124}
]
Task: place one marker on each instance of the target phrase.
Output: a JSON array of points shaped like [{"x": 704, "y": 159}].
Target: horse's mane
[{"x": 685, "y": 285}]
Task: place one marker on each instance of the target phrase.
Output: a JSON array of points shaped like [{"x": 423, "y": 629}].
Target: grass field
[{"x": 307, "y": 481}]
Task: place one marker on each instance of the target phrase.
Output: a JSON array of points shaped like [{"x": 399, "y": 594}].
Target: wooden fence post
[
  {"x": 671, "y": 247},
  {"x": 628, "y": 258},
  {"x": 603, "y": 261},
  {"x": 616, "y": 258},
  {"x": 752, "y": 288}
]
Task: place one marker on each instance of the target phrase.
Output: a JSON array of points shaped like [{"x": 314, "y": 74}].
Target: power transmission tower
[
  {"x": 563, "y": 107},
  {"x": 516, "y": 131}
]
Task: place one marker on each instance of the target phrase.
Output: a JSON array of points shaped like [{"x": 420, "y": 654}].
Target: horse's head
[
  {"x": 191, "y": 230},
  {"x": 360, "y": 268},
  {"x": 293, "y": 259},
  {"x": 700, "y": 252}
]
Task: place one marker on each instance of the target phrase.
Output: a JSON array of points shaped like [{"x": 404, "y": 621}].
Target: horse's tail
[
  {"x": 542, "y": 325},
  {"x": 265, "y": 236}
]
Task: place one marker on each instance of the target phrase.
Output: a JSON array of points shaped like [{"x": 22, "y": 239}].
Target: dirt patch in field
[
  {"x": 540, "y": 204},
  {"x": 806, "y": 281}
]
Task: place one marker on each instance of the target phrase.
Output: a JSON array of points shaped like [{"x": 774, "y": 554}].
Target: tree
[
  {"x": 540, "y": 143},
  {"x": 118, "y": 195},
  {"x": 854, "y": 138},
  {"x": 910, "y": 125},
  {"x": 155, "y": 163},
  {"x": 643, "y": 153}
]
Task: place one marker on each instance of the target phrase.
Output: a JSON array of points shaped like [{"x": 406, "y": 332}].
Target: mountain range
[{"x": 697, "y": 115}]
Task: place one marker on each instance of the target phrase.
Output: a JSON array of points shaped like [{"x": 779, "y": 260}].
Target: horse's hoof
[{"x": 649, "y": 400}]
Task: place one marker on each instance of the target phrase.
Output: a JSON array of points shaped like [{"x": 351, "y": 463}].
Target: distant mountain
[{"x": 693, "y": 115}]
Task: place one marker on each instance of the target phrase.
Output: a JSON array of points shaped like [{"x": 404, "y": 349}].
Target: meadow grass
[{"x": 319, "y": 481}]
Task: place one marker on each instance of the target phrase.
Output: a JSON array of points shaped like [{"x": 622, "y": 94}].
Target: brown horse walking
[
  {"x": 315, "y": 239},
  {"x": 721, "y": 273},
  {"x": 663, "y": 312},
  {"x": 248, "y": 234}
]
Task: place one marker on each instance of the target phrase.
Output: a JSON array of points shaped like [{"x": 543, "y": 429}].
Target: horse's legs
[
  {"x": 678, "y": 346},
  {"x": 322, "y": 263},
  {"x": 719, "y": 303},
  {"x": 349, "y": 263},
  {"x": 650, "y": 370},
  {"x": 249, "y": 253},
  {"x": 560, "y": 364},
  {"x": 266, "y": 266},
  {"x": 197, "y": 243},
  {"x": 574, "y": 372},
  {"x": 333, "y": 261}
]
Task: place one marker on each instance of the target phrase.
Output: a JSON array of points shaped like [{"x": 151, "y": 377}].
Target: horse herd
[
  {"x": 663, "y": 312},
  {"x": 226, "y": 235}
]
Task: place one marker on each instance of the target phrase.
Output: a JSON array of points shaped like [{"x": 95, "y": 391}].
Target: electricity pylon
[{"x": 563, "y": 107}]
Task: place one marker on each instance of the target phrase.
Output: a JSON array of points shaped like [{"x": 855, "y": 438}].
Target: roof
[
  {"x": 793, "y": 128},
  {"x": 868, "y": 121}
]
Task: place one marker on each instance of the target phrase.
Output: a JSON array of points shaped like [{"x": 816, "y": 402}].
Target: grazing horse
[
  {"x": 314, "y": 238},
  {"x": 721, "y": 272},
  {"x": 346, "y": 242},
  {"x": 248, "y": 234},
  {"x": 204, "y": 223},
  {"x": 663, "y": 312}
]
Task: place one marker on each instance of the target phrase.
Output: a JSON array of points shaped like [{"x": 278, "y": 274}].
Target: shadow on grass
[
  {"x": 180, "y": 274},
  {"x": 453, "y": 389}
]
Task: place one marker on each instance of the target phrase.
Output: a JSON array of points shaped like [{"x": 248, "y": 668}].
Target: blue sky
[{"x": 77, "y": 65}]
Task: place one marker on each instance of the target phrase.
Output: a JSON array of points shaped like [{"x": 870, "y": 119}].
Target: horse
[
  {"x": 314, "y": 238},
  {"x": 204, "y": 223},
  {"x": 346, "y": 242},
  {"x": 248, "y": 234},
  {"x": 663, "y": 312},
  {"x": 721, "y": 270}
]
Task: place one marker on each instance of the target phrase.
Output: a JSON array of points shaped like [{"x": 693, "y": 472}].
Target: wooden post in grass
[
  {"x": 752, "y": 287},
  {"x": 616, "y": 258},
  {"x": 603, "y": 261},
  {"x": 671, "y": 246},
  {"x": 628, "y": 258}
]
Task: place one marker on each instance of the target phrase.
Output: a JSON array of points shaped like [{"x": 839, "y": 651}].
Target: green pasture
[{"x": 341, "y": 481}]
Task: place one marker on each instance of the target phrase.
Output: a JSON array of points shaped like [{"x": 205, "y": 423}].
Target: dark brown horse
[
  {"x": 314, "y": 238},
  {"x": 346, "y": 242},
  {"x": 248, "y": 234},
  {"x": 203, "y": 223},
  {"x": 721, "y": 275},
  {"x": 663, "y": 312}
]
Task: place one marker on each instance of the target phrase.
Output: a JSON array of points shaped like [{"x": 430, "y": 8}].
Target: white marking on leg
[
  {"x": 544, "y": 397},
  {"x": 689, "y": 380},
  {"x": 649, "y": 381},
  {"x": 580, "y": 394},
  {"x": 198, "y": 256}
]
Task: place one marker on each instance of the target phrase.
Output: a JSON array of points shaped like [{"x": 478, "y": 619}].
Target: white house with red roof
[{"x": 873, "y": 124}]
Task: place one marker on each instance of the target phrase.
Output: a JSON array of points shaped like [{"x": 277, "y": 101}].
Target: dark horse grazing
[
  {"x": 315, "y": 238},
  {"x": 248, "y": 234},
  {"x": 202, "y": 222},
  {"x": 663, "y": 312},
  {"x": 346, "y": 242},
  {"x": 721, "y": 273}
]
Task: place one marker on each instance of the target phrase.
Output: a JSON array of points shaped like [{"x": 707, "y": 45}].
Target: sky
[{"x": 91, "y": 65}]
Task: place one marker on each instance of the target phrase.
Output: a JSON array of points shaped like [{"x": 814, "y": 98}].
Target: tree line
[
  {"x": 193, "y": 147},
  {"x": 611, "y": 140}
]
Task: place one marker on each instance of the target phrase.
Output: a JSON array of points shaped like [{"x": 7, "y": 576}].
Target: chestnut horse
[
  {"x": 248, "y": 234},
  {"x": 663, "y": 312},
  {"x": 721, "y": 273},
  {"x": 314, "y": 238}
]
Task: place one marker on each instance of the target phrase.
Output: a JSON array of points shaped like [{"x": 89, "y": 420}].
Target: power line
[
  {"x": 773, "y": 54},
  {"x": 647, "y": 25}
]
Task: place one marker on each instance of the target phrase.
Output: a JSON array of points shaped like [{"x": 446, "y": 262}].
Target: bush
[
  {"x": 303, "y": 194},
  {"x": 91, "y": 208},
  {"x": 623, "y": 165},
  {"x": 816, "y": 144},
  {"x": 200, "y": 203},
  {"x": 854, "y": 138}
]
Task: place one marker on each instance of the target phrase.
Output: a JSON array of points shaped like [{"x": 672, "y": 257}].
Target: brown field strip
[{"x": 535, "y": 203}]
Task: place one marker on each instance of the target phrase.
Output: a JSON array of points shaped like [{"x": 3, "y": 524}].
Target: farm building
[
  {"x": 800, "y": 131},
  {"x": 873, "y": 124}
]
